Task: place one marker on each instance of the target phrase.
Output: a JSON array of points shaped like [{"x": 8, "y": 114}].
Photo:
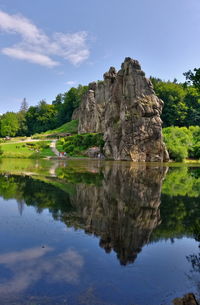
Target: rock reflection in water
[
  {"x": 123, "y": 211},
  {"x": 117, "y": 202},
  {"x": 46, "y": 261}
]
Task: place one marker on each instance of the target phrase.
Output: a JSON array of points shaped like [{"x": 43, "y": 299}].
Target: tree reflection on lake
[{"x": 125, "y": 206}]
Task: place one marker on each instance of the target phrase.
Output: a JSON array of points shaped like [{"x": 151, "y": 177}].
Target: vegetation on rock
[{"x": 76, "y": 145}]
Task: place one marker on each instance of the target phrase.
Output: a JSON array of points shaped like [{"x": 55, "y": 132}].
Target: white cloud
[
  {"x": 30, "y": 56},
  {"x": 36, "y": 47},
  {"x": 70, "y": 83}
]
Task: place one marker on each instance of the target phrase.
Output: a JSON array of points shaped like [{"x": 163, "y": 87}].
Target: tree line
[
  {"x": 181, "y": 107},
  {"x": 42, "y": 117}
]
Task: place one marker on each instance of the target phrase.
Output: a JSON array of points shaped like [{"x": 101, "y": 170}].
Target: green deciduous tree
[
  {"x": 9, "y": 124},
  {"x": 41, "y": 117},
  {"x": 193, "y": 78}
]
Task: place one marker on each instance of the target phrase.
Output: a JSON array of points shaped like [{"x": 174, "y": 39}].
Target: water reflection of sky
[
  {"x": 113, "y": 241},
  {"x": 39, "y": 256}
]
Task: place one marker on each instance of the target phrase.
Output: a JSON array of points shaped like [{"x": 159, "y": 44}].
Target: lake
[{"x": 85, "y": 232}]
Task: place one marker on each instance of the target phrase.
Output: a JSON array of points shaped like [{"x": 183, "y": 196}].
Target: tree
[
  {"x": 9, "y": 124},
  {"x": 41, "y": 117},
  {"x": 193, "y": 78},
  {"x": 58, "y": 100},
  {"x": 173, "y": 94},
  {"x": 192, "y": 101},
  {"x": 23, "y": 129},
  {"x": 68, "y": 102},
  {"x": 24, "y": 106}
]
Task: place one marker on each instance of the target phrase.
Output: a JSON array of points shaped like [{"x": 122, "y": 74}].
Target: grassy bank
[
  {"x": 32, "y": 150},
  {"x": 183, "y": 143},
  {"x": 67, "y": 128}
]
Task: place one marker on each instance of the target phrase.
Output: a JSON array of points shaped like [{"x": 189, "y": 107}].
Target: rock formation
[
  {"x": 122, "y": 211},
  {"x": 117, "y": 202},
  {"x": 126, "y": 110},
  {"x": 188, "y": 299}
]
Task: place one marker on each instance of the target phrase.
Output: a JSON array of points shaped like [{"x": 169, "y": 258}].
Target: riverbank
[{"x": 31, "y": 149}]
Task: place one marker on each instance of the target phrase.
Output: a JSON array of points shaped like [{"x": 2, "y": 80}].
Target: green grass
[
  {"x": 70, "y": 127},
  {"x": 32, "y": 150}
]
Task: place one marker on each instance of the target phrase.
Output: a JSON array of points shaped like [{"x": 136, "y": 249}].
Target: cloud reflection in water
[{"x": 31, "y": 265}]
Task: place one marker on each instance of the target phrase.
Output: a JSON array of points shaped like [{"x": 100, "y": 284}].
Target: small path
[
  {"x": 25, "y": 141},
  {"x": 54, "y": 149}
]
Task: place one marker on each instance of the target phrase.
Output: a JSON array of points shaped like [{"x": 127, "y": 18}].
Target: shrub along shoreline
[{"x": 183, "y": 144}]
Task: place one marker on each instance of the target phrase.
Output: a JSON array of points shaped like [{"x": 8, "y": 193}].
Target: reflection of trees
[
  {"x": 120, "y": 205},
  {"x": 182, "y": 181},
  {"x": 118, "y": 202},
  {"x": 194, "y": 259},
  {"x": 35, "y": 193},
  {"x": 194, "y": 276},
  {"x": 122, "y": 211},
  {"x": 180, "y": 209}
]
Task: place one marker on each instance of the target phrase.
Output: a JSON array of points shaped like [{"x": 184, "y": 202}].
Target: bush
[
  {"x": 182, "y": 142},
  {"x": 69, "y": 148},
  {"x": 194, "y": 151},
  {"x": 38, "y": 145},
  {"x": 1, "y": 151},
  {"x": 74, "y": 145},
  {"x": 178, "y": 153}
]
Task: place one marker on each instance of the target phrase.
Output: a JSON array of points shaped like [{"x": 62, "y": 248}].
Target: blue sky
[{"x": 48, "y": 46}]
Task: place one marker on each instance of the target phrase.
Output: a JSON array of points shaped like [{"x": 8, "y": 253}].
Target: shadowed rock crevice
[{"x": 126, "y": 110}]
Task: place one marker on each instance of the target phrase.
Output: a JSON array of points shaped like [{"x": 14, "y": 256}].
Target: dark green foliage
[
  {"x": 35, "y": 193},
  {"x": 74, "y": 145},
  {"x": 45, "y": 117},
  {"x": 192, "y": 101},
  {"x": 181, "y": 103},
  {"x": 66, "y": 103},
  {"x": 194, "y": 151},
  {"x": 41, "y": 118},
  {"x": 180, "y": 207},
  {"x": 76, "y": 175},
  {"x": 193, "y": 78}
]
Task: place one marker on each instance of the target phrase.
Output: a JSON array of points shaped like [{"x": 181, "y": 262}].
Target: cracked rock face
[{"x": 126, "y": 110}]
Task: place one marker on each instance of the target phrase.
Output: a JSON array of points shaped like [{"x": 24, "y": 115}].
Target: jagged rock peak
[
  {"x": 111, "y": 74},
  {"x": 126, "y": 110}
]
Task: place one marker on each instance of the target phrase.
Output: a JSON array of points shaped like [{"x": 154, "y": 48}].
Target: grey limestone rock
[{"x": 126, "y": 110}]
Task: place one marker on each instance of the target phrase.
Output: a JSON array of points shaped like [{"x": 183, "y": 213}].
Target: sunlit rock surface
[{"x": 126, "y": 110}]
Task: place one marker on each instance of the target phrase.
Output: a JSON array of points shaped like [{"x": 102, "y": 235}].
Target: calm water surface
[{"x": 98, "y": 233}]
